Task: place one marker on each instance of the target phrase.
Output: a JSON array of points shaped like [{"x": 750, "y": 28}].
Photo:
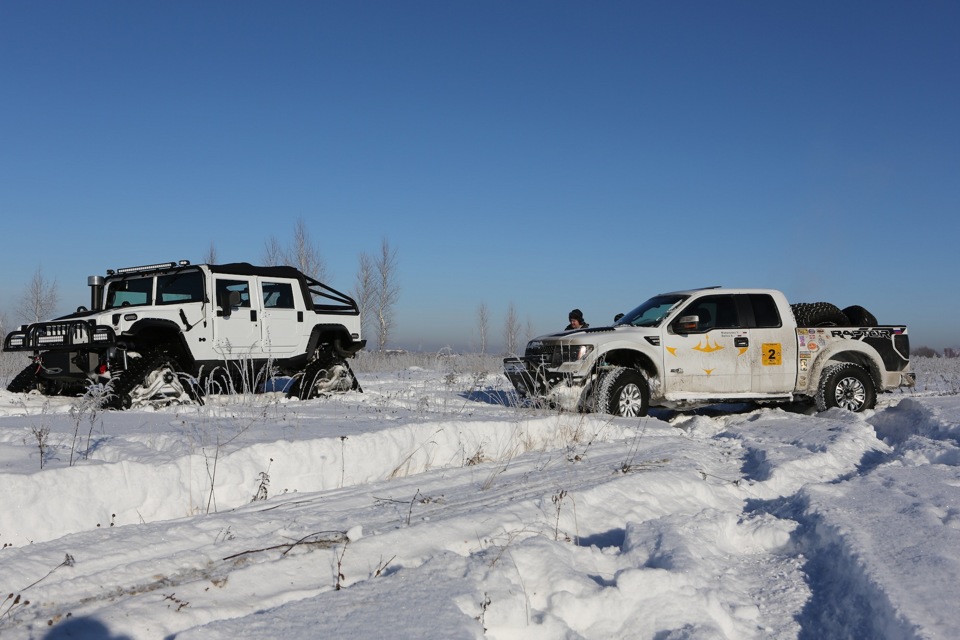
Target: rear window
[
  {"x": 765, "y": 312},
  {"x": 277, "y": 295}
]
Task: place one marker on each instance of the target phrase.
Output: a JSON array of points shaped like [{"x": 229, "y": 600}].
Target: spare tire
[
  {"x": 819, "y": 314},
  {"x": 859, "y": 316}
]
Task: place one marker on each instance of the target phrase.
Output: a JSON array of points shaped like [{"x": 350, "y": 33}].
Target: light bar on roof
[{"x": 147, "y": 267}]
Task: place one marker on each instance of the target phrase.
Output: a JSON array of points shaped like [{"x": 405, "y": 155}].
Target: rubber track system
[
  {"x": 128, "y": 380},
  {"x": 26, "y": 380}
]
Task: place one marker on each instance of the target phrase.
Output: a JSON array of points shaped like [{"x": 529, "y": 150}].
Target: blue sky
[{"x": 546, "y": 154}]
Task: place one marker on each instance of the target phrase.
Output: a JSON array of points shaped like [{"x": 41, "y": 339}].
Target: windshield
[
  {"x": 133, "y": 292},
  {"x": 652, "y": 312}
]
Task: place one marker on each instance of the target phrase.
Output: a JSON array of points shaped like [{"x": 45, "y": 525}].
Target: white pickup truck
[{"x": 708, "y": 346}]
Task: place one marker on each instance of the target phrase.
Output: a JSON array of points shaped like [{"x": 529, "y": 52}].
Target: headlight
[{"x": 572, "y": 352}]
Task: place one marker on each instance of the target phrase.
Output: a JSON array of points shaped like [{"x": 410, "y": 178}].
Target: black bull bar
[{"x": 527, "y": 378}]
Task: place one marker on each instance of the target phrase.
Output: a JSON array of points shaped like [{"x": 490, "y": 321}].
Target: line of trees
[
  {"x": 377, "y": 290},
  {"x": 927, "y": 352}
]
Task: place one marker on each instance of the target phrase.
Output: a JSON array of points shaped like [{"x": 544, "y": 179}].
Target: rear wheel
[
  {"x": 623, "y": 392},
  {"x": 848, "y": 386},
  {"x": 325, "y": 374}
]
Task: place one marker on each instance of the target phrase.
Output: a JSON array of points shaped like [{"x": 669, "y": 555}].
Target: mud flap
[{"x": 356, "y": 383}]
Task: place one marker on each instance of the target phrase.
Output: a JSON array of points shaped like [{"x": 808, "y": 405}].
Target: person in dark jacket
[{"x": 576, "y": 320}]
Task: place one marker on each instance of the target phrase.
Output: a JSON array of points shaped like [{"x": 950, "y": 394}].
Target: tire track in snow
[{"x": 841, "y": 483}]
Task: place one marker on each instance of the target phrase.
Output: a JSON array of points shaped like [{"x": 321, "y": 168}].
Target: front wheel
[
  {"x": 623, "y": 392},
  {"x": 27, "y": 380},
  {"x": 158, "y": 379},
  {"x": 848, "y": 386}
]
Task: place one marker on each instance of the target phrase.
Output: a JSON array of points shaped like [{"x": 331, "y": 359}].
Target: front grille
[{"x": 540, "y": 354}]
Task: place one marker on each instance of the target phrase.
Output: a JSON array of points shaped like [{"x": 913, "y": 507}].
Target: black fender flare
[
  {"x": 337, "y": 336},
  {"x": 152, "y": 332}
]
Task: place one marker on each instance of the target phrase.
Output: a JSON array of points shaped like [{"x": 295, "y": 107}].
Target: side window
[
  {"x": 127, "y": 293},
  {"x": 180, "y": 287},
  {"x": 277, "y": 295},
  {"x": 765, "y": 312},
  {"x": 715, "y": 312},
  {"x": 224, "y": 287}
]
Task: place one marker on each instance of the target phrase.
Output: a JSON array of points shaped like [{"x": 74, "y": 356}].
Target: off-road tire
[
  {"x": 25, "y": 381},
  {"x": 623, "y": 392},
  {"x": 860, "y": 317},
  {"x": 819, "y": 314},
  {"x": 848, "y": 386}
]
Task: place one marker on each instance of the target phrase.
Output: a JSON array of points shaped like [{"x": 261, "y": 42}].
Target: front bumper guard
[
  {"x": 529, "y": 381},
  {"x": 64, "y": 335}
]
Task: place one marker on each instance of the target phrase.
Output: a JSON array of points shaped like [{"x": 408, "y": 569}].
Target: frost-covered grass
[
  {"x": 432, "y": 505},
  {"x": 10, "y": 365},
  {"x": 937, "y": 375}
]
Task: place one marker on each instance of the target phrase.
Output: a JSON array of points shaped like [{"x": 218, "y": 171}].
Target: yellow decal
[
  {"x": 672, "y": 350},
  {"x": 708, "y": 348},
  {"x": 771, "y": 354},
  {"x": 708, "y": 371},
  {"x": 743, "y": 350}
]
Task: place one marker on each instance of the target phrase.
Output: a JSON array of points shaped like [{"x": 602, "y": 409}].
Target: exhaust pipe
[{"x": 96, "y": 292}]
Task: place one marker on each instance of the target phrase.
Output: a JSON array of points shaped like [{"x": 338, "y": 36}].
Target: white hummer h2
[
  {"x": 714, "y": 345},
  {"x": 176, "y": 330}
]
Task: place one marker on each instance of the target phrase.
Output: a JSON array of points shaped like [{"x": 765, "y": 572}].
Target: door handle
[{"x": 741, "y": 342}]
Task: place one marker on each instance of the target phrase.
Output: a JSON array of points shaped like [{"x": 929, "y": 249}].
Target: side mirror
[
  {"x": 686, "y": 324},
  {"x": 233, "y": 300}
]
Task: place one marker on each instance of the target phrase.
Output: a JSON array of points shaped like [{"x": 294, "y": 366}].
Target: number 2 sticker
[{"x": 771, "y": 354}]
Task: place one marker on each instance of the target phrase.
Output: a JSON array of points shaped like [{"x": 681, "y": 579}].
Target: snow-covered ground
[{"x": 430, "y": 506}]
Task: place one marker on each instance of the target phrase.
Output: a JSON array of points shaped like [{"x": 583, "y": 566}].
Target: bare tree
[
  {"x": 511, "y": 331},
  {"x": 272, "y": 252},
  {"x": 39, "y": 300},
  {"x": 387, "y": 292},
  {"x": 365, "y": 293},
  {"x": 211, "y": 256},
  {"x": 302, "y": 253},
  {"x": 529, "y": 332},
  {"x": 483, "y": 325}
]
